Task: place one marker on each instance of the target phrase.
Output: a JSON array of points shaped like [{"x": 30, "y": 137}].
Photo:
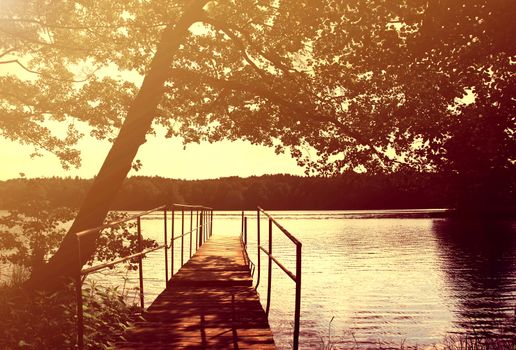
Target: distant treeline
[{"x": 349, "y": 191}]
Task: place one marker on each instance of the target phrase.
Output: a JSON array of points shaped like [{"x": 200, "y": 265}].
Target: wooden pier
[{"x": 209, "y": 303}]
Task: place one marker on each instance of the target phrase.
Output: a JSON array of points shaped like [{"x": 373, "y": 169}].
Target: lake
[{"x": 373, "y": 279}]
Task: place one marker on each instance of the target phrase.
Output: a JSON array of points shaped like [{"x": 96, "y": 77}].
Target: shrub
[
  {"x": 48, "y": 321},
  {"x": 28, "y": 236}
]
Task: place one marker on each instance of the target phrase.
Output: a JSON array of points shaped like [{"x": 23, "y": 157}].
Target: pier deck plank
[{"x": 209, "y": 304}]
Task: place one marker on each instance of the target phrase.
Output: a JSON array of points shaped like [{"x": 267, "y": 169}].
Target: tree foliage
[
  {"x": 340, "y": 84},
  {"x": 32, "y": 232}
]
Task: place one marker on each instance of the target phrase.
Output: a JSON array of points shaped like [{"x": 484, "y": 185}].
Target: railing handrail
[
  {"x": 189, "y": 206},
  {"x": 99, "y": 267},
  {"x": 204, "y": 229},
  {"x": 132, "y": 217},
  {"x": 295, "y": 277},
  {"x": 118, "y": 222},
  {"x": 189, "y": 232},
  {"x": 280, "y": 265},
  {"x": 282, "y": 229}
]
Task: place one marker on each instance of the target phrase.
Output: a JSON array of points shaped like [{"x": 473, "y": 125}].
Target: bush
[
  {"x": 48, "y": 321},
  {"x": 28, "y": 236}
]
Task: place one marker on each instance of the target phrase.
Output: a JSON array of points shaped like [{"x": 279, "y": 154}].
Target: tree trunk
[{"x": 118, "y": 162}]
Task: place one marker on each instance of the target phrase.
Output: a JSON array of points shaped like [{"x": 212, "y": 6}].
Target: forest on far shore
[{"x": 348, "y": 191}]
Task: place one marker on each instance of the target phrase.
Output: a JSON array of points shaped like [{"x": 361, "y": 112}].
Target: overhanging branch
[
  {"x": 274, "y": 59},
  {"x": 308, "y": 113},
  {"x": 27, "y": 69},
  {"x": 228, "y": 31}
]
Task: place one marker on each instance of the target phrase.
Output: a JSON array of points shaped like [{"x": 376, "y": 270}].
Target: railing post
[
  {"x": 269, "y": 278},
  {"x": 211, "y": 223},
  {"x": 78, "y": 296},
  {"x": 196, "y": 229},
  {"x": 245, "y": 232},
  {"x": 205, "y": 221},
  {"x": 140, "y": 261},
  {"x": 173, "y": 214},
  {"x": 258, "y": 247},
  {"x": 165, "y": 241},
  {"x": 200, "y": 228},
  {"x": 297, "y": 312},
  {"x": 242, "y": 228},
  {"x": 191, "y": 227},
  {"x": 205, "y": 225},
  {"x": 182, "y": 234}
]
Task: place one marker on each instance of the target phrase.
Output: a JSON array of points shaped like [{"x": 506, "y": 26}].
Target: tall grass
[{"x": 504, "y": 340}]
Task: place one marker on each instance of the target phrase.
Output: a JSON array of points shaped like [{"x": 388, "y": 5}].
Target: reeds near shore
[{"x": 504, "y": 340}]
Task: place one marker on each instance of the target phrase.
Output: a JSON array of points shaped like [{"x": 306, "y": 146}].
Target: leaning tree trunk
[{"x": 119, "y": 160}]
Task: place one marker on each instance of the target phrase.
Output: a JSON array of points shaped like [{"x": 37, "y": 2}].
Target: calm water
[{"x": 383, "y": 280}]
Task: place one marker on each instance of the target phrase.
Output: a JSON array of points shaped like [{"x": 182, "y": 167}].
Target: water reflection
[{"x": 477, "y": 257}]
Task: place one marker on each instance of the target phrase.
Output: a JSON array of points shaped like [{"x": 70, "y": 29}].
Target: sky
[{"x": 159, "y": 156}]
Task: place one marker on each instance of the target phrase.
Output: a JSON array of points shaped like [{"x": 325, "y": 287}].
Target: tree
[
  {"x": 342, "y": 85},
  {"x": 480, "y": 145},
  {"x": 136, "y": 124}
]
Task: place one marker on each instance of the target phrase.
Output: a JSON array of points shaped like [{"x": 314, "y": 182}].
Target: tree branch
[
  {"x": 42, "y": 43},
  {"x": 47, "y": 75},
  {"x": 227, "y": 30},
  {"x": 261, "y": 92},
  {"x": 270, "y": 95},
  {"x": 273, "y": 59},
  {"x": 79, "y": 27},
  {"x": 7, "y": 52}
]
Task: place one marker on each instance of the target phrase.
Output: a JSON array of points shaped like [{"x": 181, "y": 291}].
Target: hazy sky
[{"x": 160, "y": 156}]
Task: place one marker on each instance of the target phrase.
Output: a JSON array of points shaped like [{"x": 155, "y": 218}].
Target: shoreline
[{"x": 401, "y": 213}]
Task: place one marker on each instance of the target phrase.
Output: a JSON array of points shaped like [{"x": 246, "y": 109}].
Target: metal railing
[
  {"x": 295, "y": 277},
  {"x": 203, "y": 229},
  {"x": 243, "y": 240}
]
